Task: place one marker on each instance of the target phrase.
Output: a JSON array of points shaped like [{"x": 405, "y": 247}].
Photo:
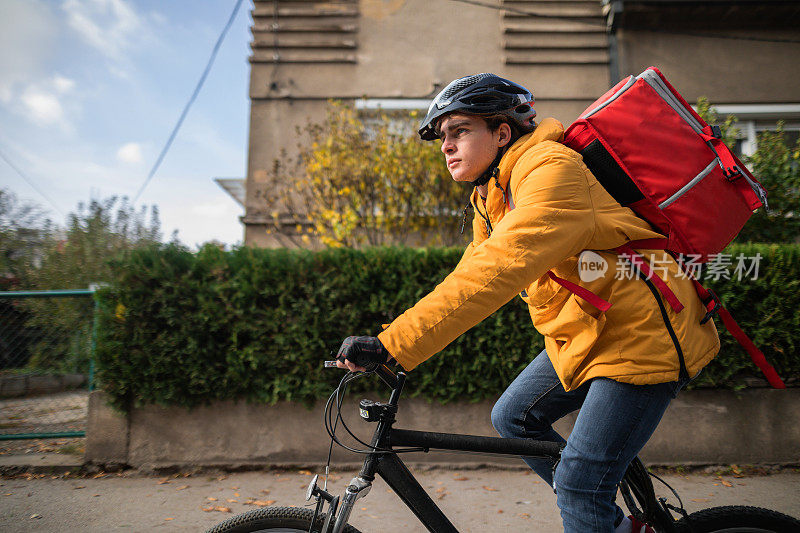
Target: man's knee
[{"x": 503, "y": 418}]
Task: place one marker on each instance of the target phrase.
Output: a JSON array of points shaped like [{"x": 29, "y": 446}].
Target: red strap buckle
[
  {"x": 712, "y": 297},
  {"x": 732, "y": 173}
]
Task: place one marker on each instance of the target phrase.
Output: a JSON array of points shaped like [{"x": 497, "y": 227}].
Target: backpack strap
[
  {"x": 581, "y": 292},
  {"x": 639, "y": 262},
  {"x": 730, "y": 169},
  {"x": 714, "y": 306}
]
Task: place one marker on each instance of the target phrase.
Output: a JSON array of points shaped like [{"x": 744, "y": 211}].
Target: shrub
[{"x": 179, "y": 328}]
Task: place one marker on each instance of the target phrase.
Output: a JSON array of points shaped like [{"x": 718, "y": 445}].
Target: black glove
[{"x": 363, "y": 351}]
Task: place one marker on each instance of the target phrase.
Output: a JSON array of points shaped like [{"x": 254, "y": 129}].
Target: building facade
[{"x": 398, "y": 54}]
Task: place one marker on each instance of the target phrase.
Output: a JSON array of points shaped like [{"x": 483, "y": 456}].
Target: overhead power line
[
  {"x": 30, "y": 182},
  {"x": 191, "y": 100},
  {"x": 595, "y": 22}
]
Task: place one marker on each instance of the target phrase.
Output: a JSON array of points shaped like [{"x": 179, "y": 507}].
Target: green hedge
[{"x": 181, "y": 328}]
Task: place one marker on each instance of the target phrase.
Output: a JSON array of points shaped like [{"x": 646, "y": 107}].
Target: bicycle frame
[{"x": 392, "y": 469}]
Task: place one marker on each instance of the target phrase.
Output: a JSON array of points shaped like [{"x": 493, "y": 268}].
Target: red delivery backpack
[{"x": 654, "y": 154}]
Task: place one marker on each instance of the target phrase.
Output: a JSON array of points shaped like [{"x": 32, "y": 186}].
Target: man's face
[{"x": 469, "y": 146}]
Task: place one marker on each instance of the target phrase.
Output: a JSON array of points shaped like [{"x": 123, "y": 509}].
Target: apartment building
[{"x": 397, "y": 54}]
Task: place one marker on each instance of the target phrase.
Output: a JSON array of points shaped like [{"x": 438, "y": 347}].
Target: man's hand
[{"x": 358, "y": 353}]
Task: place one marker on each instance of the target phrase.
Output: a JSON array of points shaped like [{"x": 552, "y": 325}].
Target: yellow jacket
[{"x": 560, "y": 210}]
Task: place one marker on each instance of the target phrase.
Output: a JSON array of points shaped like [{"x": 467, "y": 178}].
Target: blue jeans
[{"x": 614, "y": 423}]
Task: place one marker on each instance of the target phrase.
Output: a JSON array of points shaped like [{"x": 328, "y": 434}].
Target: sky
[{"x": 91, "y": 89}]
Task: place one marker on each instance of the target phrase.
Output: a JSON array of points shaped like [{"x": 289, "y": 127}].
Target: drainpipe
[{"x": 612, "y": 9}]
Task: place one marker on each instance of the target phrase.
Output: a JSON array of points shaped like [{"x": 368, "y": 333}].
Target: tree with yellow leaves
[{"x": 365, "y": 181}]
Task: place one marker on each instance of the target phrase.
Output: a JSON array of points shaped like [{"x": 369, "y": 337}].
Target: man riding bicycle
[{"x": 537, "y": 208}]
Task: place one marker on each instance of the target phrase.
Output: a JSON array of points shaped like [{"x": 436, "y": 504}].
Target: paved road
[{"x": 484, "y": 500}]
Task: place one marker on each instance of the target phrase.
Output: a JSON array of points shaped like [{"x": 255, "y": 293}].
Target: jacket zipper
[
  {"x": 485, "y": 219},
  {"x": 683, "y": 373}
]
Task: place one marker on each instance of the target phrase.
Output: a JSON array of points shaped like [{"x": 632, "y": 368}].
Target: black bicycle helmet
[{"x": 481, "y": 94}]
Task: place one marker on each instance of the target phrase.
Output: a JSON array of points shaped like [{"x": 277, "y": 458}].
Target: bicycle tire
[
  {"x": 737, "y": 519},
  {"x": 274, "y": 520}
]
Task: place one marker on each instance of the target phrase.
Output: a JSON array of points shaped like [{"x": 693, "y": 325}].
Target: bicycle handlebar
[{"x": 386, "y": 374}]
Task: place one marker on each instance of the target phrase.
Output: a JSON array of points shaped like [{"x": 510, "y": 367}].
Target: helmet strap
[{"x": 491, "y": 172}]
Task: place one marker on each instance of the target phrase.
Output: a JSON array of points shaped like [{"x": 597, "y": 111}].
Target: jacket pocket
[{"x": 571, "y": 334}]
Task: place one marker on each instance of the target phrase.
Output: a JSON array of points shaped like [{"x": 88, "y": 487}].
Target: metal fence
[{"x": 47, "y": 342}]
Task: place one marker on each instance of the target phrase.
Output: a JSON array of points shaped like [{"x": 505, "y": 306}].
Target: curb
[{"x": 49, "y": 463}]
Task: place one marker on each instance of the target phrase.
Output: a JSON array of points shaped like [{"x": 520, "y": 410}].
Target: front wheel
[
  {"x": 274, "y": 520},
  {"x": 737, "y": 519}
]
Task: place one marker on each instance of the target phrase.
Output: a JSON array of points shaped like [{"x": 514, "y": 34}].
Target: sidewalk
[{"x": 475, "y": 500}]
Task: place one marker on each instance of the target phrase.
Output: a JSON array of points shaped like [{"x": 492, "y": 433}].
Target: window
[
  {"x": 757, "y": 118},
  {"x": 399, "y": 109}
]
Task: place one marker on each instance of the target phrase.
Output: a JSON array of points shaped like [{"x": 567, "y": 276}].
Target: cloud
[
  {"x": 41, "y": 103},
  {"x": 44, "y": 108},
  {"x": 109, "y": 26},
  {"x": 130, "y": 153},
  {"x": 27, "y": 31},
  {"x": 62, "y": 84}
]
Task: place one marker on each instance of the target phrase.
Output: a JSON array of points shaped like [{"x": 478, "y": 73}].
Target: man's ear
[{"x": 504, "y": 136}]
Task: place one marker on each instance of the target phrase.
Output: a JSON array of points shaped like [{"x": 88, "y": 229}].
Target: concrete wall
[
  {"x": 13, "y": 385},
  {"x": 700, "y": 427},
  {"x": 726, "y": 71}
]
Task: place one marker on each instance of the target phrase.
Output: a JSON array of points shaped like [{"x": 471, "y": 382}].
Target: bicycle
[{"x": 382, "y": 458}]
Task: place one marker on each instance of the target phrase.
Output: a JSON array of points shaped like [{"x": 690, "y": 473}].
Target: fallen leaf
[
  {"x": 260, "y": 503},
  {"x": 305, "y": 473},
  {"x": 236, "y": 494},
  {"x": 95, "y": 495},
  {"x": 265, "y": 491},
  {"x": 230, "y": 500},
  {"x": 490, "y": 489},
  {"x": 100, "y": 475},
  {"x": 499, "y": 511},
  {"x": 168, "y": 519},
  {"x": 211, "y": 499},
  {"x": 163, "y": 481},
  {"x": 440, "y": 490},
  {"x": 727, "y": 483},
  {"x": 526, "y": 516},
  {"x": 79, "y": 487},
  {"x": 8, "y": 494},
  {"x": 36, "y": 516},
  {"x": 701, "y": 500},
  {"x": 217, "y": 508},
  {"x": 459, "y": 477},
  {"x": 363, "y": 508},
  {"x": 182, "y": 487}
]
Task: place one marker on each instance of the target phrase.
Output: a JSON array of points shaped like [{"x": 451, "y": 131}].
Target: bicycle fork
[{"x": 337, "y": 515}]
